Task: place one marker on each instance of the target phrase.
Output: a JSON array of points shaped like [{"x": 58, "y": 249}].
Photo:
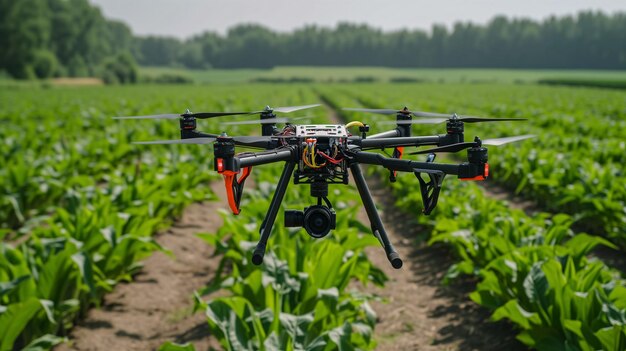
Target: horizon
[{"x": 200, "y": 16}]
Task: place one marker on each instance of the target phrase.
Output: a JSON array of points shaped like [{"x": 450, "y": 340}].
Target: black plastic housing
[
  {"x": 224, "y": 148},
  {"x": 477, "y": 155},
  {"x": 317, "y": 220},
  {"x": 187, "y": 123}
]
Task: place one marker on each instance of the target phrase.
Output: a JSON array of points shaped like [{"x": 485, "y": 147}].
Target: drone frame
[{"x": 236, "y": 168}]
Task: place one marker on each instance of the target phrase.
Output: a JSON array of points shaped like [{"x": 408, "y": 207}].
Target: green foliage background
[{"x": 46, "y": 38}]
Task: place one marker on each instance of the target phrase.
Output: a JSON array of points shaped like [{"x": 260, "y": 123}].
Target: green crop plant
[
  {"x": 273, "y": 309},
  {"x": 574, "y": 166},
  {"x": 558, "y": 301},
  {"x": 79, "y": 203},
  {"x": 533, "y": 271},
  {"x": 86, "y": 248}
]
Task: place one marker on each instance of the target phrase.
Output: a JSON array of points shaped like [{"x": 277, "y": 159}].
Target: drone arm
[
  {"x": 434, "y": 171},
  {"x": 465, "y": 170},
  {"x": 388, "y": 134},
  {"x": 403, "y": 165},
  {"x": 261, "y": 158},
  {"x": 377, "y": 143}
]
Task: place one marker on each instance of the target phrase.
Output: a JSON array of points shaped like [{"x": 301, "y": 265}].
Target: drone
[{"x": 323, "y": 154}]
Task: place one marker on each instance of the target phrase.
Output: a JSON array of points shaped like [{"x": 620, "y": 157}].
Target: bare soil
[
  {"x": 157, "y": 306},
  {"x": 421, "y": 313}
]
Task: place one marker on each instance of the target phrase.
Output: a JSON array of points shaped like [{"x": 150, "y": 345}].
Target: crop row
[
  {"x": 577, "y": 163},
  {"x": 85, "y": 203},
  {"x": 79, "y": 203},
  {"x": 533, "y": 271}
]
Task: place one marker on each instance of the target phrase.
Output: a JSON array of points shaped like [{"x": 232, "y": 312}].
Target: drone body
[{"x": 319, "y": 155}]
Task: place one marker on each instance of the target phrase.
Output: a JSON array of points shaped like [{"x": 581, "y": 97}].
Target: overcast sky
[{"x": 183, "y": 18}]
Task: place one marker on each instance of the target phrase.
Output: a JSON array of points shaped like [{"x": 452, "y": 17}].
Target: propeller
[
  {"x": 268, "y": 120},
  {"x": 434, "y": 117},
  {"x": 164, "y": 116},
  {"x": 417, "y": 121},
  {"x": 293, "y": 108},
  {"x": 476, "y": 143},
  {"x": 380, "y": 111},
  {"x": 204, "y": 115},
  {"x": 238, "y": 139},
  {"x": 390, "y": 111},
  {"x": 178, "y": 141},
  {"x": 460, "y": 119}
]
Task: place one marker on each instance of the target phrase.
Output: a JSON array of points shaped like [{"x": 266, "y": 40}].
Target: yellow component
[
  {"x": 310, "y": 163},
  {"x": 304, "y": 156},
  {"x": 355, "y": 123}
]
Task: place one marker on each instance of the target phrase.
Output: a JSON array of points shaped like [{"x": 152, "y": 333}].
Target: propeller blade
[
  {"x": 431, "y": 114},
  {"x": 239, "y": 139},
  {"x": 178, "y": 141},
  {"x": 387, "y": 111},
  {"x": 163, "y": 116},
  {"x": 287, "y": 109},
  {"x": 418, "y": 121},
  {"x": 380, "y": 111},
  {"x": 461, "y": 146},
  {"x": 260, "y": 121},
  {"x": 252, "y": 139},
  {"x": 502, "y": 141},
  {"x": 268, "y": 121},
  {"x": 486, "y": 119},
  {"x": 204, "y": 115},
  {"x": 462, "y": 119}
]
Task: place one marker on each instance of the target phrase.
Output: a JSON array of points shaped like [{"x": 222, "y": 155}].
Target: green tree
[
  {"x": 24, "y": 29},
  {"x": 121, "y": 69},
  {"x": 44, "y": 64}
]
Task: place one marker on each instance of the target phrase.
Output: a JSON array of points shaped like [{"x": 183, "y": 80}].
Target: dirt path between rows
[
  {"x": 157, "y": 306},
  {"x": 422, "y": 313}
]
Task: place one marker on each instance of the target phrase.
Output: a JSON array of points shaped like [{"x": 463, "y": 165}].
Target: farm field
[
  {"x": 382, "y": 74},
  {"x": 79, "y": 206}
]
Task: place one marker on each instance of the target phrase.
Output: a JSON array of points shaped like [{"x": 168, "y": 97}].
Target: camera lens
[{"x": 318, "y": 221}]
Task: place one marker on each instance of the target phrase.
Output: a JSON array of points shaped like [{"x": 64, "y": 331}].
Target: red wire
[{"x": 330, "y": 159}]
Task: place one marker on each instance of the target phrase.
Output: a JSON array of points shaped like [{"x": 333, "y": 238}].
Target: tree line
[
  {"x": 592, "y": 40},
  {"x": 44, "y": 38}
]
